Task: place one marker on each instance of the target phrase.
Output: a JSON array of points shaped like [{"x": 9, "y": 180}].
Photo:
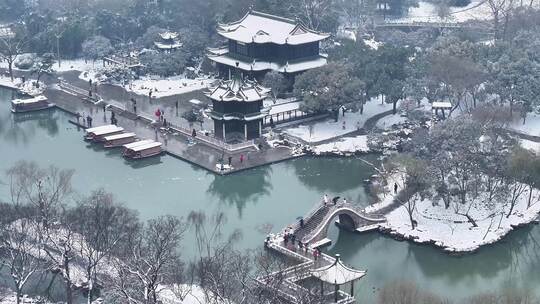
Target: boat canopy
[
  {"x": 89, "y": 130},
  {"x": 104, "y": 131},
  {"x": 119, "y": 136},
  {"x": 36, "y": 99},
  {"x": 147, "y": 146},
  {"x": 138, "y": 143}
]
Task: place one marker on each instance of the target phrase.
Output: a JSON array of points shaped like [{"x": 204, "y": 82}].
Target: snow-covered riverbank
[{"x": 452, "y": 231}]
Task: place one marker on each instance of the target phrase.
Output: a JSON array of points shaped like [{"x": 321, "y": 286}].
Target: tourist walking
[
  {"x": 241, "y": 158},
  {"x": 395, "y": 188},
  {"x": 230, "y": 160},
  {"x": 89, "y": 121}
]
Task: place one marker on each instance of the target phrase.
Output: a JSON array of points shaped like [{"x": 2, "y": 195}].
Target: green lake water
[{"x": 273, "y": 195}]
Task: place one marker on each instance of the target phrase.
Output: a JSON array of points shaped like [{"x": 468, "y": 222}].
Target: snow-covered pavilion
[
  {"x": 238, "y": 110},
  {"x": 338, "y": 274},
  {"x": 168, "y": 41},
  {"x": 260, "y": 42}
]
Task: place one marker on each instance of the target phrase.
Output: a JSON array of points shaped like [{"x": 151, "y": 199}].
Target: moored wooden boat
[
  {"x": 37, "y": 103},
  {"x": 137, "y": 143},
  {"x": 118, "y": 140},
  {"x": 143, "y": 151},
  {"x": 102, "y": 132}
]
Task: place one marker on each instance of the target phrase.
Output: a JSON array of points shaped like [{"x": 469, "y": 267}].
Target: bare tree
[
  {"x": 11, "y": 47},
  {"x": 20, "y": 250},
  {"x": 43, "y": 189},
  {"x": 520, "y": 175},
  {"x": 151, "y": 260},
  {"x": 222, "y": 272},
  {"x": 416, "y": 183},
  {"x": 60, "y": 249},
  {"x": 500, "y": 11},
  {"x": 102, "y": 224}
]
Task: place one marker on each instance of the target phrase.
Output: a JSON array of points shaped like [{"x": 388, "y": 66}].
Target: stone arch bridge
[{"x": 351, "y": 217}]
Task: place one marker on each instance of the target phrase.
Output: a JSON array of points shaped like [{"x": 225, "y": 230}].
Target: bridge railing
[{"x": 376, "y": 218}]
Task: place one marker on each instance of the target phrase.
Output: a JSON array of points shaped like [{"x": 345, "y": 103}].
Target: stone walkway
[{"x": 175, "y": 144}]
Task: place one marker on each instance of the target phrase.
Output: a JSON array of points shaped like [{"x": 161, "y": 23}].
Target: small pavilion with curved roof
[{"x": 338, "y": 274}]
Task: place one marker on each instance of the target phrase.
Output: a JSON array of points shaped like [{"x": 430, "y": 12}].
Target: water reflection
[
  {"x": 143, "y": 163},
  {"x": 21, "y": 127},
  {"x": 239, "y": 189},
  {"x": 346, "y": 174},
  {"x": 338, "y": 176}
]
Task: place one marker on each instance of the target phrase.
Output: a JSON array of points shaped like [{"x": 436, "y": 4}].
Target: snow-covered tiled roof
[
  {"x": 259, "y": 27},
  {"x": 238, "y": 90},
  {"x": 166, "y": 46},
  {"x": 338, "y": 273},
  {"x": 168, "y": 35},
  {"x": 292, "y": 66}
]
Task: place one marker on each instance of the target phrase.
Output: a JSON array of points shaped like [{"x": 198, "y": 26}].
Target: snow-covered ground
[
  {"x": 344, "y": 145},
  {"x": 323, "y": 130},
  {"x": 270, "y": 102},
  {"x": 372, "y": 43},
  {"x": 6, "y": 82},
  {"x": 8, "y": 297},
  {"x": 77, "y": 65},
  {"x": 531, "y": 126},
  {"x": 387, "y": 122},
  {"x": 453, "y": 232},
  {"x": 386, "y": 196},
  {"x": 427, "y": 12},
  {"x": 284, "y": 107},
  {"x": 162, "y": 87},
  {"x": 531, "y": 145}
]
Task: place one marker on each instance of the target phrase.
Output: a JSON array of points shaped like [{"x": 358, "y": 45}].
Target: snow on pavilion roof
[
  {"x": 337, "y": 273},
  {"x": 168, "y": 35},
  {"x": 258, "y": 27},
  {"x": 292, "y": 66},
  {"x": 238, "y": 90}
]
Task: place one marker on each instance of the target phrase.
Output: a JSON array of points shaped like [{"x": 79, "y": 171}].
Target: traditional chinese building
[
  {"x": 260, "y": 42},
  {"x": 238, "y": 110},
  {"x": 168, "y": 42}
]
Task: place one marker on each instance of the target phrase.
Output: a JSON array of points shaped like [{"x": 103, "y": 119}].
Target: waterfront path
[
  {"x": 175, "y": 140},
  {"x": 309, "y": 232}
]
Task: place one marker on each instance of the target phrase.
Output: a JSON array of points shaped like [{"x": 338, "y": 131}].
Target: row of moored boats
[{"x": 112, "y": 136}]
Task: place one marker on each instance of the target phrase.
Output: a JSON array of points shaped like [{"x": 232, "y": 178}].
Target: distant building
[
  {"x": 260, "y": 42},
  {"x": 238, "y": 110},
  {"x": 168, "y": 42}
]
